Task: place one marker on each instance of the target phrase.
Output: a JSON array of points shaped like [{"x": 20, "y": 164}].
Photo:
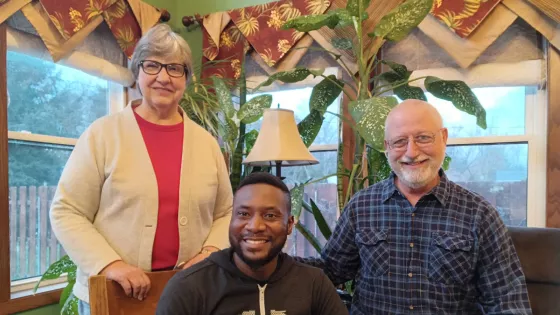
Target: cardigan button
[{"x": 183, "y": 221}]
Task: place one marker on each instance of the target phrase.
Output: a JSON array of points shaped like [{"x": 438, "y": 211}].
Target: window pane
[
  {"x": 498, "y": 172},
  {"x": 51, "y": 99},
  {"x": 298, "y": 101},
  {"x": 323, "y": 193},
  {"x": 34, "y": 170},
  {"x": 505, "y": 113}
]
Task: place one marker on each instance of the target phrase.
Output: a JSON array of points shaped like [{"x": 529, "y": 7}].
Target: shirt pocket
[
  {"x": 451, "y": 258},
  {"x": 374, "y": 251}
]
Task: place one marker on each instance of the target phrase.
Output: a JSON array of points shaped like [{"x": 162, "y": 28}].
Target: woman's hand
[
  {"x": 133, "y": 280},
  {"x": 206, "y": 251}
]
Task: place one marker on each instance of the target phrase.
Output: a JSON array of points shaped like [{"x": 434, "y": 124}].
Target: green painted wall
[
  {"x": 45, "y": 310},
  {"x": 178, "y": 9}
]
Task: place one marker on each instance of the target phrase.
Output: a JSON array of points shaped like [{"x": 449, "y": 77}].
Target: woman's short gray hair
[{"x": 160, "y": 41}]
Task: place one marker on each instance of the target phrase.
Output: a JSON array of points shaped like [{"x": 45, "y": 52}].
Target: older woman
[{"x": 146, "y": 188}]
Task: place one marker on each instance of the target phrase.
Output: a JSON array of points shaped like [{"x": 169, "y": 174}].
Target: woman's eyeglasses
[{"x": 174, "y": 70}]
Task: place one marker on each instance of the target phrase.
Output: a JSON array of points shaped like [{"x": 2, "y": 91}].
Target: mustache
[{"x": 420, "y": 158}]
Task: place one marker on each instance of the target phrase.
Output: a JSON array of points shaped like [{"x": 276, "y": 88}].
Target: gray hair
[{"x": 161, "y": 41}]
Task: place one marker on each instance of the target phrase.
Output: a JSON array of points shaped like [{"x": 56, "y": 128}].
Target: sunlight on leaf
[
  {"x": 398, "y": 23},
  {"x": 309, "y": 127},
  {"x": 370, "y": 116},
  {"x": 254, "y": 109},
  {"x": 459, "y": 93},
  {"x": 324, "y": 94}
]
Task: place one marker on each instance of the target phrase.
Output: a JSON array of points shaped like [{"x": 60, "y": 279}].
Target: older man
[{"x": 417, "y": 243}]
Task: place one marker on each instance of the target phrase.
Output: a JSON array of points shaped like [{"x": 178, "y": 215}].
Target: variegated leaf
[
  {"x": 63, "y": 265},
  {"x": 254, "y": 109},
  {"x": 459, "y": 93},
  {"x": 405, "y": 92},
  {"x": 446, "y": 162},
  {"x": 250, "y": 139},
  {"x": 67, "y": 292},
  {"x": 342, "y": 43},
  {"x": 398, "y": 23},
  {"x": 370, "y": 116},
  {"x": 290, "y": 76},
  {"x": 331, "y": 19},
  {"x": 70, "y": 306},
  {"x": 231, "y": 130},
  {"x": 296, "y": 195},
  {"x": 353, "y": 6},
  {"x": 399, "y": 69},
  {"x": 224, "y": 96},
  {"x": 324, "y": 93},
  {"x": 309, "y": 127}
]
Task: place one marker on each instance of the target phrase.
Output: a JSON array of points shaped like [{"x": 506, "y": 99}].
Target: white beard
[{"x": 416, "y": 178}]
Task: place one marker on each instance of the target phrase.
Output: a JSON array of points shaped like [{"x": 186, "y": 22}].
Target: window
[
  {"x": 506, "y": 160},
  {"x": 49, "y": 106},
  {"x": 324, "y": 149}
]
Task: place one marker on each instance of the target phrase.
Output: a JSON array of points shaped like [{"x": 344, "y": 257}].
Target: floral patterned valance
[
  {"x": 73, "y": 20},
  {"x": 463, "y": 16}
]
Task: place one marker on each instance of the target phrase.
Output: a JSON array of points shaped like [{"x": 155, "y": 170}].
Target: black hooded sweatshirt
[{"x": 216, "y": 286}]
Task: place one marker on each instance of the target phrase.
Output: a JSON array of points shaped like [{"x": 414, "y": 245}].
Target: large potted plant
[{"x": 371, "y": 99}]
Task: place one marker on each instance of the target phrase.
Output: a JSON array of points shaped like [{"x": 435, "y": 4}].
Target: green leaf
[
  {"x": 250, "y": 139},
  {"x": 398, "y": 23},
  {"x": 405, "y": 92},
  {"x": 290, "y": 76},
  {"x": 379, "y": 168},
  {"x": 254, "y": 109},
  {"x": 63, "y": 265},
  {"x": 309, "y": 236},
  {"x": 224, "y": 96},
  {"x": 324, "y": 93},
  {"x": 309, "y": 127},
  {"x": 320, "y": 220},
  {"x": 231, "y": 130},
  {"x": 342, "y": 43},
  {"x": 331, "y": 19},
  {"x": 401, "y": 70},
  {"x": 446, "y": 162},
  {"x": 353, "y": 6},
  {"x": 67, "y": 292},
  {"x": 296, "y": 195},
  {"x": 459, "y": 93},
  {"x": 370, "y": 116},
  {"x": 70, "y": 307}
]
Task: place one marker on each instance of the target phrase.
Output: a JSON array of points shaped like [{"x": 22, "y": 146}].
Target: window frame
[{"x": 17, "y": 296}]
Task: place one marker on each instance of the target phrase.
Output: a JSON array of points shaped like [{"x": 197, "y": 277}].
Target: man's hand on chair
[{"x": 133, "y": 280}]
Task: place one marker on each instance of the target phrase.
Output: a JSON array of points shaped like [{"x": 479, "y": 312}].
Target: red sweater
[{"x": 165, "y": 147}]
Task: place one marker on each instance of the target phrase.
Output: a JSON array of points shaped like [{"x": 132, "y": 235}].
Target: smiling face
[
  {"x": 418, "y": 162},
  {"x": 260, "y": 224},
  {"x": 161, "y": 90}
]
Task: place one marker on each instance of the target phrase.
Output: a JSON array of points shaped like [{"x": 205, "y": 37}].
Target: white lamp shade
[{"x": 279, "y": 140}]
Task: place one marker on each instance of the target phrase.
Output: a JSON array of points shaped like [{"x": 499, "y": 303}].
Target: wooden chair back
[{"x": 107, "y": 297}]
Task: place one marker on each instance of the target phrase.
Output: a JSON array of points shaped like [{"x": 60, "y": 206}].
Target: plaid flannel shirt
[{"x": 450, "y": 254}]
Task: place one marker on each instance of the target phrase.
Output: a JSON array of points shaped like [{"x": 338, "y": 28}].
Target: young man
[{"x": 253, "y": 276}]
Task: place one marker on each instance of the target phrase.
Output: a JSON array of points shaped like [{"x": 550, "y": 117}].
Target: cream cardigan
[{"x": 106, "y": 203}]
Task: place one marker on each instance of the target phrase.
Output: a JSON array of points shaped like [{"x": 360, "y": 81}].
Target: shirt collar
[{"x": 441, "y": 191}]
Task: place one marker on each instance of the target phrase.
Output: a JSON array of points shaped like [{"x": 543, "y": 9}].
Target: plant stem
[
  {"x": 341, "y": 86},
  {"x": 398, "y": 85},
  {"x": 235, "y": 176}
]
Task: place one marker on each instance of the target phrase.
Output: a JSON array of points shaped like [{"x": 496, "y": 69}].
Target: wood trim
[
  {"x": 30, "y": 302},
  {"x": 4, "y": 189},
  {"x": 553, "y": 151},
  {"x": 98, "y": 299},
  {"x": 348, "y": 137}
]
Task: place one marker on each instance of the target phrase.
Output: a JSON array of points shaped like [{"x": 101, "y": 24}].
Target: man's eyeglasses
[
  {"x": 423, "y": 139},
  {"x": 153, "y": 67}
]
